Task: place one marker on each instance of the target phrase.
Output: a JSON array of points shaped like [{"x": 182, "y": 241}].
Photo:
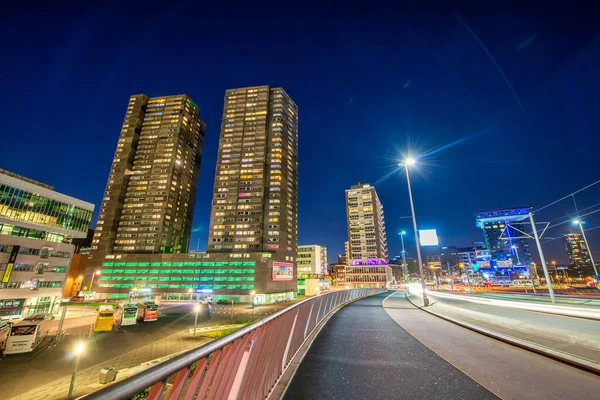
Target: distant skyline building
[
  {"x": 150, "y": 194},
  {"x": 501, "y": 238},
  {"x": 312, "y": 259},
  {"x": 37, "y": 227},
  {"x": 366, "y": 224},
  {"x": 577, "y": 251}
]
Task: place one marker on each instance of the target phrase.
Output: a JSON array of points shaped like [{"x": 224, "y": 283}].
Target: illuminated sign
[
  {"x": 204, "y": 290},
  {"x": 10, "y": 264},
  {"x": 283, "y": 271},
  {"x": 428, "y": 237},
  {"x": 484, "y": 264},
  {"x": 504, "y": 263}
]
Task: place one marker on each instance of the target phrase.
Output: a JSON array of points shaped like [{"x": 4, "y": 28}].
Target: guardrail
[{"x": 245, "y": 364}]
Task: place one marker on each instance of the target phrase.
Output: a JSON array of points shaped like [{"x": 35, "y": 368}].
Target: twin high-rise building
[
  {"x": 149, "y": 199},
  {"x": 145, "y": 219},
  {"x": 577, "y": 252}
]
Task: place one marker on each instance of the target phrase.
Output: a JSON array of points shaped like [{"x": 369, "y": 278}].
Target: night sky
[{"x": 503, "y": 102}]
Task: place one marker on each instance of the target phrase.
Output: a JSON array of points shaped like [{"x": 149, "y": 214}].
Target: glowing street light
[
  {"x": 580, "y": 223},
  {"x": 97, "y": 272},
  {"x": 253, "y": 293},
  {"x": 403, "y": 252},
  {"x": 196, "y": 310},
  {"x": 78, "y": 351},
  {"x": 516, "y": 249},
  {"x": 408, "y": 162}
]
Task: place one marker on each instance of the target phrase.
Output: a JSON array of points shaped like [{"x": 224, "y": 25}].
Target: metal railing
[{"x": 245, "y": 364}]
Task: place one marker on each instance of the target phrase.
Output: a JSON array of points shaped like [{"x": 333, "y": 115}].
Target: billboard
[
  {"x": 504, "y": 263},
  {"x": 484, "y": 264},
  {"x": 428, "y": 237},
  {"x": 283, "y": 271},
  {"x": 10, "y": 264}
]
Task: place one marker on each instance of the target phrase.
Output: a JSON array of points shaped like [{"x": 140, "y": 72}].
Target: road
[
  {"x": 142, "y": 342},
  {"x": 394, "y": 350}
]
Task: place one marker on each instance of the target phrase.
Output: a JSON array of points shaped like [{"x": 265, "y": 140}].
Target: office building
[
  {"x": 502, "y": 237},
  {"x": 366, "y": 224},
  {"x": 374, "y": 273},
  {"x": 149, "y": 199},
  {"x": 37, "y": 226},
  {"x": 577, "y": 251},
  {"x": 312, "y": 259}
]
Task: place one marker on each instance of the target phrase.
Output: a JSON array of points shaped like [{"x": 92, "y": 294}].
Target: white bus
[
  {"x": 126, "y": 314},
  {"x": 27, "y": 334}
]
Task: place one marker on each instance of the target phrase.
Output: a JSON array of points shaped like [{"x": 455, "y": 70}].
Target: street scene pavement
[
  {"x": 361, "y": 353},
  {"x": 52, "y": 364},
  {"x": 506, "y": 370}
]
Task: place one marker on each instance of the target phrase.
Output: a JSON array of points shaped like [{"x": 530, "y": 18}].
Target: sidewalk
[{"x": 87, "y": 379}]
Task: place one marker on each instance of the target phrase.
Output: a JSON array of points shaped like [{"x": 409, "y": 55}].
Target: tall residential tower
[
  {"x": 367, "y": 243},
  {"x": 366, "y": 224},
  {"x": 255, "y": 199},
  {"x": 149, "y": 199}
]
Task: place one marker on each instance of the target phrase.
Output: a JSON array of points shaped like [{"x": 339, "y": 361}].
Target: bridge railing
[{"x": 245, "y": 364}]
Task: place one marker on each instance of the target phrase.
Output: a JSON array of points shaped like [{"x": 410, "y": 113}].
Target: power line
[{"x": 567, "y": 196}]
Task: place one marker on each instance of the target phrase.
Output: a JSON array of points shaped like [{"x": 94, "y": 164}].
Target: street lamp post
[
  {"x": 468, "y": 278},
  {"x": 92, "y": 281},
  {"x": 404, "y": 271},
  {"x": 516, "y": 249},
  {"x": 252, "y": 293},
  {"x": 78, "y": 351},
  {"x": 197, "y": 310},
  {"x": 406, "y": 164},
  {"x": 580, "y": 223}
]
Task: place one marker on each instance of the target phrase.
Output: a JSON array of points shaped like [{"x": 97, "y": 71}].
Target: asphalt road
[
  {"x": 22, "y": 372},
  {"x": 361, "y": 353},
  {"x": 508, "y": 371},
  {"x": 584, "y": 326}
]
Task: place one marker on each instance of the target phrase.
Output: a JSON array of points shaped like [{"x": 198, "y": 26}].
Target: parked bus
[
  {"x": 26, "y": 335},
  {"x": 147, "y": 312},
  {"x": 126, "y": 314},
  {"x": 105, "y": 319},
  {"x": 4, "y": 332}
]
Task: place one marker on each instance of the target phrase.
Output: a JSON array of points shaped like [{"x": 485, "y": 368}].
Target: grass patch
[
  {"x": 89, "y": 305},
  {"x": 218, "y": 334}
]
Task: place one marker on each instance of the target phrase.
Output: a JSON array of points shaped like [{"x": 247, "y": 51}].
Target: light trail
[{"x": 550, "y": 309}]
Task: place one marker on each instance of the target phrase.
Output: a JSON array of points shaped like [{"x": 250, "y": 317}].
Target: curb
[{"x": 579, "y": 362}]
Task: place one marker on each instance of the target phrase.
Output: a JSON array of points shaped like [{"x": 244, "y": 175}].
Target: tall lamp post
[
  {"x": 78, "y": 351},
  {"x": 403, "y": 252},
  {"x": 580, "y": 223},
  {"x": 97, "y": 272},
  {"x": 516, "y": 249},
  {"x": 196, "y": 310},
  {"x": 406, "y": 163},
  {"x": 252, "y": 293}
]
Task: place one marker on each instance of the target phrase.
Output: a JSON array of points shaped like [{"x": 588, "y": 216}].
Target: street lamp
[
  {"x": 97, "y": 272},
  {"x": 78, "y": 351},
  {"x": 408, "y": 162},
  {"x": 516, "y": 249},
  {"x": 580, "y": 223},
  {"x": 196, "y": 310},
  {"x": 252, "y": 293},
  {"x": 461, "y": 265},
  {"x": 403, "y": 252}
]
